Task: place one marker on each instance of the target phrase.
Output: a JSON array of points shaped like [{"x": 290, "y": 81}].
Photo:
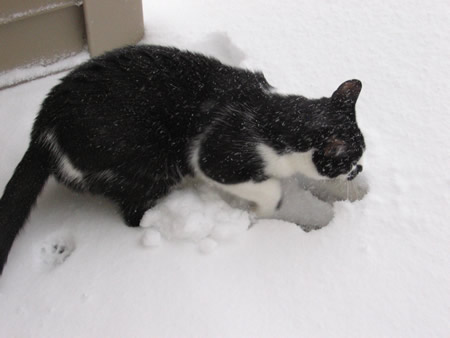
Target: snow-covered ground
[{"x": 381, "y": 267}]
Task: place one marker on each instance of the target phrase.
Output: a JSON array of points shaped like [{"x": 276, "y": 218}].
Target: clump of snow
[
  {"x": 151, "y": 238},
  {"x": 207, "y": 245},
  {"x": 195, "y": 213}
]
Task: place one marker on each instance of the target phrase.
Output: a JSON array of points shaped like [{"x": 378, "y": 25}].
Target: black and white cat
[{"x": 131, "y": 124}]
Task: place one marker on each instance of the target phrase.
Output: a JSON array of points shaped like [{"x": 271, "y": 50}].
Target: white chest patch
[
  {"x": 287, "y": 165},
  {"x": 266, "y": 195}
]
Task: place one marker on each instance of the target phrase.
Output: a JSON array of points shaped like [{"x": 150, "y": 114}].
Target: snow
[
  {"x": 53, "y": 251},
  {"x": 151, "y": 238},
  {"x": 207, "y": 245},
  {"x": 42, "y": 68},
  {"x": 195, "y": 213},
  {"x": 381, "y": 266}
]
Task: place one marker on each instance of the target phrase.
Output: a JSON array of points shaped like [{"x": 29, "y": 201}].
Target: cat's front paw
[
  {"x": 343, "y": 190},
  {"x": 336, "y": 190},
  {"x": 304, "y": 209}
]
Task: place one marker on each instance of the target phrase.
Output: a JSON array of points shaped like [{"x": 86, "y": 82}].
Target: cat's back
[
  {"x": 140, "y": 64},
  {"x": 134, "y": 72},
  {"x": 166, "y": 70},
  {"x": 130, "y": 87},
  {"x": 142, "y": 84},
  {"x": 136, "y": 100}
]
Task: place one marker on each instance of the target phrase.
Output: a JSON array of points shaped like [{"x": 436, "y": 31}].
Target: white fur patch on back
[
  {"x": 106, "y": 176},
  {"x": 69, "y": 170},
  {"x": 66, "y": 169},
  {"x": 287, "y": 165}
]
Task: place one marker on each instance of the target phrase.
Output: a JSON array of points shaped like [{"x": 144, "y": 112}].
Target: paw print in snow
[{"x": 55, "y": 250}]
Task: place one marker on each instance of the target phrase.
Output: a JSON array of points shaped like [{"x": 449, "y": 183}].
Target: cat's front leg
[{"x": 266, "y": 195}]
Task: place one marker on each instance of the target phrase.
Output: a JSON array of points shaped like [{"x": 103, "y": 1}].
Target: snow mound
[
  {"x": 151, "y": 238},
  {"x": 207, "y": 245},
  {"x": 206, "y": 216},
  {"x": 194, "y": 213},
  {"x": 220, "y": 45}
]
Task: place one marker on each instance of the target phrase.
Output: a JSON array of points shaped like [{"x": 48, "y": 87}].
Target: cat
[{"x": 132, "y": 123}]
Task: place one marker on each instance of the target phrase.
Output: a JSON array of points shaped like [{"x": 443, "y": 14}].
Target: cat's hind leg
[
  {"x": 132, "y": 213},
  {"x": 133, "y": 206},
  {"x": 134, "y": 199}
]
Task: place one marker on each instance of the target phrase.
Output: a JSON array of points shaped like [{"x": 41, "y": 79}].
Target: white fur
[
  {"x": 287, "y": 165},
  {"x": 69, "y": 170},
  {"x": 66, "y": 169},
  {"x": 340, "y": 150},
  {"x": 266, "y": 195},
  {"x": 106, "y": 175}
]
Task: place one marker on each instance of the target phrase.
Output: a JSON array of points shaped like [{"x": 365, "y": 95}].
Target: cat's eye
[{"x": 335, "y": 147}]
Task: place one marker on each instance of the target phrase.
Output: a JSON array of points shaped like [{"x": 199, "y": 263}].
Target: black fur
[
  {"x": 128, "y": 120},
  {"x": 19, "y": 196}
]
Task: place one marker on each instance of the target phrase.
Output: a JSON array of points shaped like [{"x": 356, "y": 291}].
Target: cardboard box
[{"x": 44, "y": 31}]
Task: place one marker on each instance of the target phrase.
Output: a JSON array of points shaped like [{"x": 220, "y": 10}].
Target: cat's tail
[{"x": 20, "y": 195}]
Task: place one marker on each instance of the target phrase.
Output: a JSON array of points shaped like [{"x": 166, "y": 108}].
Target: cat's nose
[{"x": 355, "y": 172}]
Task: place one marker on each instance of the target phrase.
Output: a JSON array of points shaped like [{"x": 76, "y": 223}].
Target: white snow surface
[{"x": 204, "y": 267}]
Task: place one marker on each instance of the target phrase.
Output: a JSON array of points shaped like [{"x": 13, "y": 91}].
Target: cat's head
[{"x": 340, "y": 147}]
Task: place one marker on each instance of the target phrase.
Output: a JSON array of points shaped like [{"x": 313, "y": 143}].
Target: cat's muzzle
[{"x": 355, "y": 172}]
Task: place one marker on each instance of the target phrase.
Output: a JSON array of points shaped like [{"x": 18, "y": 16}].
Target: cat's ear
[
  {"x": 347, "y": 93},
  {"x": 335, "y": 147}
]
